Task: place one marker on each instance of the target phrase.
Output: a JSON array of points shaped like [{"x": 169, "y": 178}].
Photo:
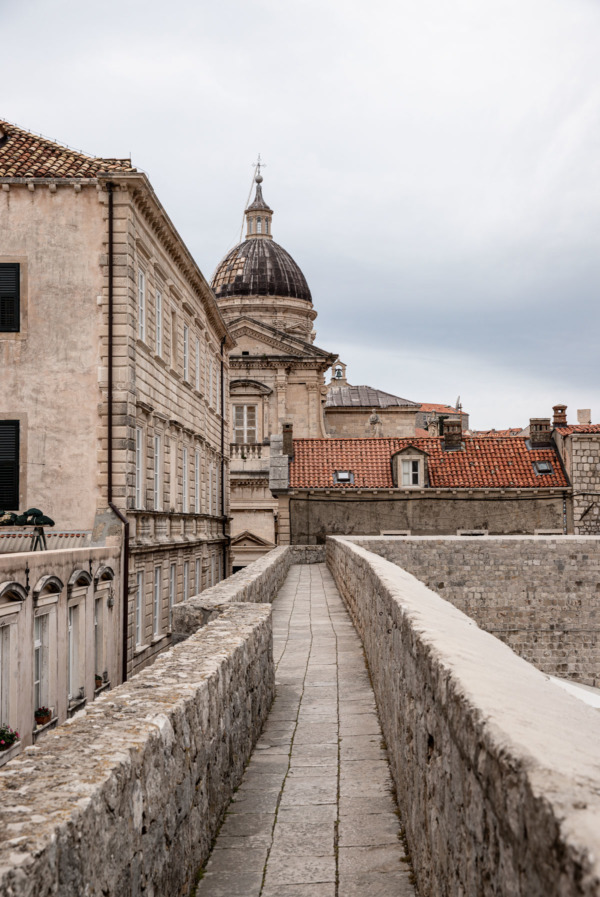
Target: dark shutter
[
  {"x": 9, "y": 465},
  {"x": 9, "y": 297}
]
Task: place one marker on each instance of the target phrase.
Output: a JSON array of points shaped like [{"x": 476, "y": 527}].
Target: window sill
[
  {"x": 158, "y": 638},
  {"x": 139, "y": 649},
  {"x": 11, "y": 752},
  {"x": 142, "y": 344},
  {"x": 39, "y": 730},
  {"x": 104, "y": 687},
  {"x": 75, "y": 705},
  {"x": 160, "y": 360}
]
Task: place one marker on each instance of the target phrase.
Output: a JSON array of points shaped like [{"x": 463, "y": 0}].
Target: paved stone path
[{"x": 314, "y": 815}]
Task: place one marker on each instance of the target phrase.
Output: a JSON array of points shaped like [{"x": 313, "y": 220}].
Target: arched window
[
  {"x": 338, "y": 373},
  {"x": 259, "y": 225},
  {"x": 249, "y": 225},
  {"x": 266, "y": 225}
]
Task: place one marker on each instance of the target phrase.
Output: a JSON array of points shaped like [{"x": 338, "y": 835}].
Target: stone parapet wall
[
  {"x": 127, "y": 797},
  {"x": 538, "y": 594},
  {"x": 257, "y": 583},
  {"x": 496, "y": 768}
]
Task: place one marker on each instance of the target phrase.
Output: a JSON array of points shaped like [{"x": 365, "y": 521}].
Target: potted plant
[
  {"x": 42, "y": 716},
  {"x": 99, "y": 681},
  {"x": 8, "y": 737}
]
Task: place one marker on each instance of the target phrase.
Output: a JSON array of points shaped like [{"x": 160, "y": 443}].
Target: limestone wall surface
[
  {"x": 496, "y": 768},
  {"x": 539, "y": 594},
  {"x": 126, "y": 798}
]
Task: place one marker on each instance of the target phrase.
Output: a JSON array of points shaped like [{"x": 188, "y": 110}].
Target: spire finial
[{"x": 257, "y": 166}]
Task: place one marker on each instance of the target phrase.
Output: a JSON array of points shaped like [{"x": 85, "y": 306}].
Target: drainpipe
[
  {"x": 224, "y": 520},
  {"x": 111, "y": 505}
]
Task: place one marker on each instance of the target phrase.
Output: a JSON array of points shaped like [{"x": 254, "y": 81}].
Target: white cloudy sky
[{"x": 434, "y": 166}]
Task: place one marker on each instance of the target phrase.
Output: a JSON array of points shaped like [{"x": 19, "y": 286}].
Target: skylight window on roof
[
  {"x": 543, "y": 467},
  {"x": 343, "y": 476}
]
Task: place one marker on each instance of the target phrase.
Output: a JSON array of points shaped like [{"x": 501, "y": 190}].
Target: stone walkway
[{"x": 314, "y": 815}]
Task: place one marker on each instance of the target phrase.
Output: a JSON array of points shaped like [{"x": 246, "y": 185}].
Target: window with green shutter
[
  {"x": 9, "y": 465},
  {"x": 9, "y": 297}
]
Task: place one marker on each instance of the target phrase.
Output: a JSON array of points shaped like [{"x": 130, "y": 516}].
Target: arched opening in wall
[{"x": 259, "y": 225}]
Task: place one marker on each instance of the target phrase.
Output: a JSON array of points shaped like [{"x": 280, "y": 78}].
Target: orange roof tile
[
  {"x": 433, "y": 406},
  {"x": 26, "y": 155},
  {"x": 578, "y": 428},
  {"x": 487, "y": 462},
  {"x": 509, "y": 431}
]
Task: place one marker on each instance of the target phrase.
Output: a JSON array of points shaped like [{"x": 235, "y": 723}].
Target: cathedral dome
[{"x": 259, "y": 266}]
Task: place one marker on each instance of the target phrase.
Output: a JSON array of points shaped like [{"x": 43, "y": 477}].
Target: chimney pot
[
  {"x": 452, "y": 433},
  {"x": 539, "y": 431},
  {"x": 584, "y": 415},
  {"x": 560, "y": 416}
]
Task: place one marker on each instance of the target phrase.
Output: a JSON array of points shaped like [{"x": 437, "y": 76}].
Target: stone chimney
[
  {"x": 452, "y": 434},
  {"x": 560, "y": 416},
  {"x": 539, "y": 432},
  {"x": 584, "y": 415},
  {"x": 288, "y": 439}
]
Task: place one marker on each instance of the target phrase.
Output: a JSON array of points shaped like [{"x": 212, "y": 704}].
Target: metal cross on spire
[{"x": 257, "y": 167}]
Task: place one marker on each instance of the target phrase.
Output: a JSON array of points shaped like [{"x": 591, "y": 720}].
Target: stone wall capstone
[{"x": 496, "y": 768}]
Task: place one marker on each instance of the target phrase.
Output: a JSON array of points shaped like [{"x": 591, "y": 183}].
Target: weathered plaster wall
[
  {"x": 49, "y": 370},
  {"x": 127, "y": 798},
  {"x": 538, "y": 594},
  {"x": 313, "y": 517},
  {"x": 496, "y": 768}
]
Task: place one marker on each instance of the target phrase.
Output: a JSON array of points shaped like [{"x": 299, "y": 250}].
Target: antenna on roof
[{"x": 457, "y": 406}]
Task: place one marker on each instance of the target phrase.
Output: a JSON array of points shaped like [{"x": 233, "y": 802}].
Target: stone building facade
[{"x": 114, "y": 375}]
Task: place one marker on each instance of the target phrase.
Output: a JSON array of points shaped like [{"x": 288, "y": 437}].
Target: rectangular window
[
  {"x": 73, "y": 652},
  {"x": 139, "y": 608},
  {"x": 186, "y": 352},
  {"x": 157, "y": 597},
  {"x": 157, "y": 473},
  {"x": 244, "y": 424},
  {"x": 218, "y": 383},
  {"x": 4, "y": 674},
  {"x": 186, "y": 580},
  {"x": 210, "y": 488},
  {"x": 173, "y": 340},
  {"x": 197, "y": 483},
  {"x": 9, "y": 465},
  {"x": 198, "y": 580},
  {"x": 184, "y": 481},
  {"x": 159, "y": 323},
  {"x": 210, "y": 382},
  {"x": 410, "y": 473},
  {"x": 99, "y": 638},
  {"x": 198, "y": 365},
  {"x": 141, "y": 305},
  {"x": 41, "y": 631},
  {"x": 9, "y": 298},
  {"x": 139, "y": 466},
  {"x": 172, "y": 590}
]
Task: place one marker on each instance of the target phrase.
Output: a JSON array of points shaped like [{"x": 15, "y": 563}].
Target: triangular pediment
[
  {"x": 246, "y": 330},
  {"x": 250, "y": 540}
]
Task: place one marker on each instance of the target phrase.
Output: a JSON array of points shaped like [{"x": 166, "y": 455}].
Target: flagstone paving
[{"x": 315, "y": 815}]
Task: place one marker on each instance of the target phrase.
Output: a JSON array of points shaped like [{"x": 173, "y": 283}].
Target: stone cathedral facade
[{"x": 276, "y": 372}]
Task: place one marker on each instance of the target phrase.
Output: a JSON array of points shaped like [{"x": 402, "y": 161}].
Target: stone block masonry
[
  {"x": 539, "y": 594},
  {"x": 496, "y": 768},
  {"x": 126, "y": 798}
]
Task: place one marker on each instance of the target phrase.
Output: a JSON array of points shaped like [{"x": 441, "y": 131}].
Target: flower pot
[
  {"x": 42, "y": 718},
  {"x": 98, "y": 681}
]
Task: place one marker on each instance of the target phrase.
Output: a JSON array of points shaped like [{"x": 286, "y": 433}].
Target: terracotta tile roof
[
  {"x": 433, "y": 406},
  {"x": 578, "y": 428},
  {"x": 486, "y": 462},
  {"x": 509, "y": 431},
  {"x": 364, "y": 397},
  {"x": 419, "y": 431},
  {"x": 25, "y": 155}
]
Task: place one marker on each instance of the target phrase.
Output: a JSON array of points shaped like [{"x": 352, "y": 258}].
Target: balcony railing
[{"x": 249, "y": 456}]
